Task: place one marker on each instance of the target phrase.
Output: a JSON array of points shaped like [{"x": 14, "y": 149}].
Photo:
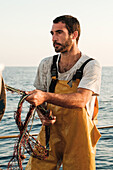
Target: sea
[{"x": 23, "y": 78}]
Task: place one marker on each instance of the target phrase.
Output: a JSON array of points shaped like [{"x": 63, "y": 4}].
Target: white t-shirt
[{"x": 91, "y": 78}]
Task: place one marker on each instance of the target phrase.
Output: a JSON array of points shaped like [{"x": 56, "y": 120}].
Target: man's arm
[{"x": 72, "y": 100}]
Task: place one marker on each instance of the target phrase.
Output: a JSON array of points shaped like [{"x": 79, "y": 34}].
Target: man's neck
[{"x": 69, "y": 59}]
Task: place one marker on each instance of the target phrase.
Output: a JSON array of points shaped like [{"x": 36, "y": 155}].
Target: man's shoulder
[
  {"x": 45, "y": 64},
  {"x": 49, "y": 60},
  {"x": 46, "y": 60},
  {"x": 91, "y": 63}
]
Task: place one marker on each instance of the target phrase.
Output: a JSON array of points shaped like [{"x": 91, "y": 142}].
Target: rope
[{"x": 26, "y": 141}]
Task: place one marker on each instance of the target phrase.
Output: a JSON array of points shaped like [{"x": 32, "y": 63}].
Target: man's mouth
[{"x": 56, "y": 44}]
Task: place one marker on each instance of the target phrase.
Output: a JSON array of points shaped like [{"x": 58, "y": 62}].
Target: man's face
[{"x": 62, "y": 41}]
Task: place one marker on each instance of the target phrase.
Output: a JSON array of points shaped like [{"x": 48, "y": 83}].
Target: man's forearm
[
  {"x": 72, "y": 100},
  {"x": 65, "y": 100}
]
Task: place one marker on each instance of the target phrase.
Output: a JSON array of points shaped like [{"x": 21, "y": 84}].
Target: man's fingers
[{"x": 48, "y": 122}]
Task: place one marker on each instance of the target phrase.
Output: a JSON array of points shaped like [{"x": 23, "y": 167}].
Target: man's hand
[
  {"x": 46, "y": 121},
  {"x": 36, "y": 97}
]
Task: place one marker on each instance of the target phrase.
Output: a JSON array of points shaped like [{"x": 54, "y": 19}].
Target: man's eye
[{"x": 60, "y": 32}]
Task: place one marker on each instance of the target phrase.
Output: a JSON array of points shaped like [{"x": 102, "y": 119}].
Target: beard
[{"x": 64, "y": 47}]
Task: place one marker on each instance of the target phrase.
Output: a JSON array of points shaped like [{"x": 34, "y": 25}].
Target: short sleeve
[
  {"x": 91, "y": 79},
  {"x": 41, "y": 79}
]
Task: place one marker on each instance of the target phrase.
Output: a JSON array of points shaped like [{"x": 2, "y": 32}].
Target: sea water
[{"x": 23, "y": 78}]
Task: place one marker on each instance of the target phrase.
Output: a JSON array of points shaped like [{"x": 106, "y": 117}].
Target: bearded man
[{"x": 69, "y": 83}]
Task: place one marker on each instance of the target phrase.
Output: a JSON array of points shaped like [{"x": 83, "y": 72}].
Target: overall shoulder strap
[
  {"x": 54, "y": 74},
  {"x": 79, "y": 72}
]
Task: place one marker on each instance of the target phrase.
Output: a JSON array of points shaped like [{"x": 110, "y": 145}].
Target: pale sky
[{"x": 25, "y": 29}]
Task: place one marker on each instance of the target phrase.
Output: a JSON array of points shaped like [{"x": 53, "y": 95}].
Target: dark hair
[{"x": 72, "y": 24}]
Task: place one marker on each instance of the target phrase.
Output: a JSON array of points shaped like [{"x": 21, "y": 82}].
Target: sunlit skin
[
  {"x": 66, "y": 45},
  {"x": 62, "y": 41}
]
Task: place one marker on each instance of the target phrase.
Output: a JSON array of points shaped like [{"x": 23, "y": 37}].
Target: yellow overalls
[{"x": 73, "y": 137}]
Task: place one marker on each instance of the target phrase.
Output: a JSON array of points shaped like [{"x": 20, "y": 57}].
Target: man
[{"x": 73, "y": 134}]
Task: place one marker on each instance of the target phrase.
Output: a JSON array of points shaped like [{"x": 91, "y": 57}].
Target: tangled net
[{"x": 26, "y": 141}]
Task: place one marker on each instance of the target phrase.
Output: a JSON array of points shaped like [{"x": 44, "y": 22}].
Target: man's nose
[{"x": 54, "y": 38}]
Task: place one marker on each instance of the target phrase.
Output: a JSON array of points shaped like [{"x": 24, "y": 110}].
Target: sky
[{"x": 25, "y": 26}]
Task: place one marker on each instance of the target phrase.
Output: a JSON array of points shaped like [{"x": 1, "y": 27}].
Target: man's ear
[{"x": 75, "y": 35}]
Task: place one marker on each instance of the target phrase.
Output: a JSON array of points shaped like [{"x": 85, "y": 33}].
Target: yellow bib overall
[{"x": 73, "y": 137}]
